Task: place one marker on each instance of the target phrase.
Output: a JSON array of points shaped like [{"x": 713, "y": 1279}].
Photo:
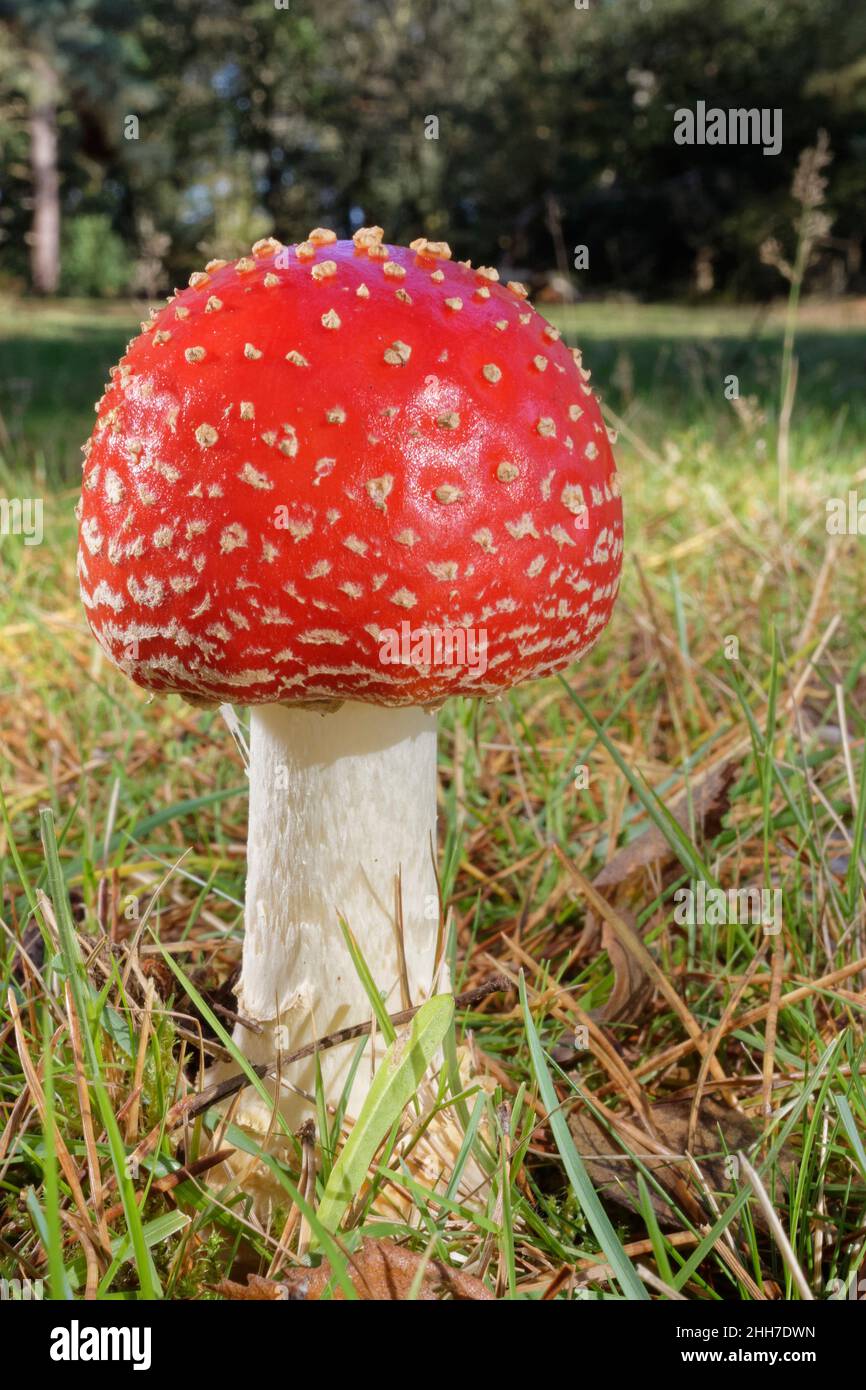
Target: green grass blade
[
  {"x": 53, "y": 1226},
  {"x": 224, "y": 1036},
  {"x": 396, "y": 1081},
  {"x": 658, "y": 812},
  {"x": 160, "y": 1229},
  {"x": 855, "y": 1138},
  {"x": 363, "y": 970},
  {"x": 147, "y": 1275},
  {"x": 578, "y": 1177}
]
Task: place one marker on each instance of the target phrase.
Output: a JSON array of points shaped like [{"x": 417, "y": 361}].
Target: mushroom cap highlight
[{"x": 316, "y": 448}]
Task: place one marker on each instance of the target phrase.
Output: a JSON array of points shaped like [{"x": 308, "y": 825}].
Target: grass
[{"x": 736, "y": 643}]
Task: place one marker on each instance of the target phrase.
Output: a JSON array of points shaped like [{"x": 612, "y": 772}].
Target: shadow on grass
[
  {"x": 681, "y": 380},
  {"x": 667, "y": 380},
  {"x": 48, "y": 386}
]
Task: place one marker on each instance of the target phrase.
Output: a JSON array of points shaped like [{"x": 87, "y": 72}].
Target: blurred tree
[
  {"x": 31, "y": 37},
  {"x": 66, "y": 58},
  {"x": 523, "y": 128}
]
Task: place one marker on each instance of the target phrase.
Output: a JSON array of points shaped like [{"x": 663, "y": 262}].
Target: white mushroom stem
[{"x": 340, "y": 804}]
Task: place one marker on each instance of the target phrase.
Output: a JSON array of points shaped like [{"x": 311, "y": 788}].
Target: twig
[
  {"x": 220, "y": 1090},
  {"x": 632, "y": 943}
]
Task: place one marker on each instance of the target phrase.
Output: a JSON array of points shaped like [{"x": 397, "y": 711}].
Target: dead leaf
[
  {"x": 710, "y": 802},
  {"x": 720, "y": 1132},
  {"x": 255, "y": 1289},
  {"x": 380, "y": 1272},
  {"x": 632, "y": 987}
]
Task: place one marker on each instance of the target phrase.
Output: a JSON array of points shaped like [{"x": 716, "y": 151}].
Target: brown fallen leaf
[
  {"x": 719, "y": 1134},
  {"x": 255, "y": 1290},
  {"x": 632, "y": 989},
  {"x": 710, "y": 801},
  {"x": 632, "y": 986},
  {"x": 380, "y": 1272}
]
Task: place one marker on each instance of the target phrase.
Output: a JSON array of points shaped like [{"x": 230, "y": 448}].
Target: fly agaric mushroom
[{"x": 340, "y": 482}]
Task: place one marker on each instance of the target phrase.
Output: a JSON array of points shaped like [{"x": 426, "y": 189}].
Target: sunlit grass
[{"x": 133, "y": 785}]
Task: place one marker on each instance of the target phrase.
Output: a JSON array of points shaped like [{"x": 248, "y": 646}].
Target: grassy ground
[{"x": 730, "y": 686}]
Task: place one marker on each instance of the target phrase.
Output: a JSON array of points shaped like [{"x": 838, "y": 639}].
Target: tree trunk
[{"x": 45, "y": 234}]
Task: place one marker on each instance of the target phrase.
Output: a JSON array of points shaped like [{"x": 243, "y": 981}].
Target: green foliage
[
  {"x": 397, "y": 1078},
  {"x": 96, "y": 264},
  {"x": 573, "y": 1164},
  {"x": 554, "y": 130}
]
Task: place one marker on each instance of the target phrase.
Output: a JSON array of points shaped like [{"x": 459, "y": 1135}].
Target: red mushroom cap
[{"x": 318, "y": 448}]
